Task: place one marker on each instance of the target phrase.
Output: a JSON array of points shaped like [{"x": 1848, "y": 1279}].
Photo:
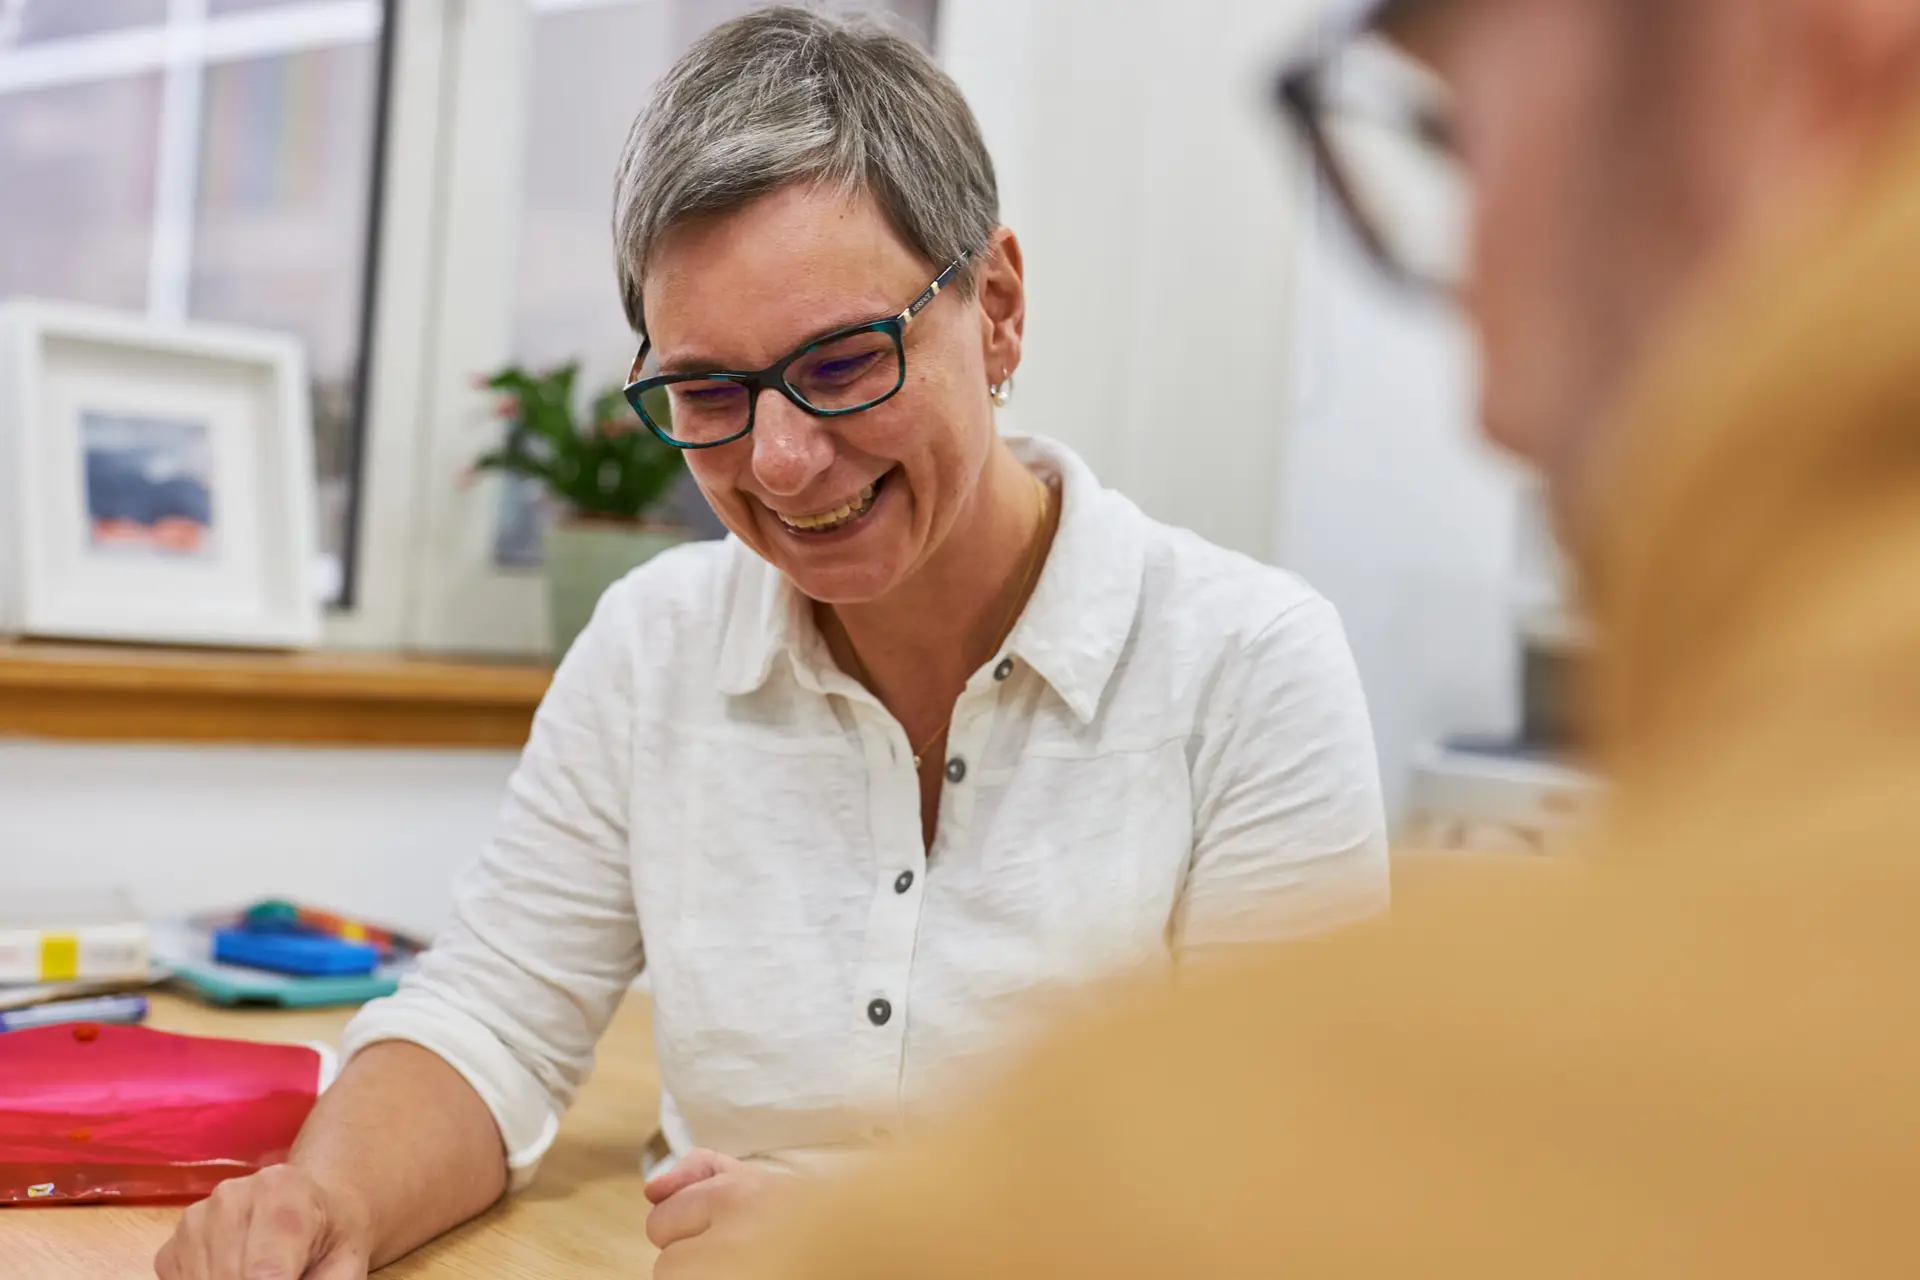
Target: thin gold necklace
[{"x": 1006, "y": 626}]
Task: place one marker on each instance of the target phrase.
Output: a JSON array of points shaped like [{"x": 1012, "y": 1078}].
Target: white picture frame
[{"x": 156, "y": 481}]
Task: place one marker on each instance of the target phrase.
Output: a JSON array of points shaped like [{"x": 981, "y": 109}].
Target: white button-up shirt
[{"x": 1172, "y": 750}]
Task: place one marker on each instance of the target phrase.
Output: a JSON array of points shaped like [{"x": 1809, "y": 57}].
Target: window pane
[
  {"x": 76, "y": 220},
  {"x": 39, "y": 20},
  {"x": 591, "y": 72},
  {"x": 286, "y": 167}
]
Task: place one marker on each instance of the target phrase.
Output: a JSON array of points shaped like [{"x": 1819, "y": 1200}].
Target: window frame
[
  {"x": 456, "y": 599},
  {"x": 447, "y": 296}
]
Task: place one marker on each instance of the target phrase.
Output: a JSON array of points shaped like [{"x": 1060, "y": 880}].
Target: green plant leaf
[{"x": 608, "y": 464}]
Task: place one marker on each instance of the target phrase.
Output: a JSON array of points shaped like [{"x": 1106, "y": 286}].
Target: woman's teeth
[{"x": 824, "y": 521}]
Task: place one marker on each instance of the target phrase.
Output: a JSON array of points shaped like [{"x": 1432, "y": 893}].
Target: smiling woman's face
[{"x": 850, "y": 507}]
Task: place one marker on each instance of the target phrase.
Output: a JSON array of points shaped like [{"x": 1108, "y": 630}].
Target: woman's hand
[
  {"x": 279, "y": 1222},
  {"x": 399, "y": 1149},
  {"x": 705, "y": 1209}
]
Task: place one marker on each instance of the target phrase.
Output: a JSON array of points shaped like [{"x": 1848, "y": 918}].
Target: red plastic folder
[{"x": 92, "y": 1114}]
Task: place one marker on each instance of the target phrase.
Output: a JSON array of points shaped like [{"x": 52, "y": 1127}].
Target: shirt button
[
  {"x": 903, "y": 882},
  {"x": 878, "y": 1011},
  {"x": 956, "y": 770},
  {"x": 1004, "y": 670}
]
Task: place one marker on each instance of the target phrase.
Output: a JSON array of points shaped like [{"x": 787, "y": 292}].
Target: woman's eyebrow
[{"x": 697, "y": 362}]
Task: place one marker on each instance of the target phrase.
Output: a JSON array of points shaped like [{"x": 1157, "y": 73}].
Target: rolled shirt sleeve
[{"x": 544, "y": 940}]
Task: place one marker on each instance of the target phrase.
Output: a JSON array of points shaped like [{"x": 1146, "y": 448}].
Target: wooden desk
[{"x": 583, "y": 1217}]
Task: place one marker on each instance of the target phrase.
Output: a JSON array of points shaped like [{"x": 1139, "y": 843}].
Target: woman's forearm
[{"x": 405, "y": 1136}]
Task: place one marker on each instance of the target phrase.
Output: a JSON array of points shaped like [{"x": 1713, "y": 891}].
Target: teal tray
[{"x": 232, "y": 985}]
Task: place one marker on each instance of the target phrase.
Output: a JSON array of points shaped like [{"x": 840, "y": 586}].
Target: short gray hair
[{"x": 786, "y": 95}]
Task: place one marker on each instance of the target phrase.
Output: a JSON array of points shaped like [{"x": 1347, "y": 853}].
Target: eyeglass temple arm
[
  {"x": 1295, "y": 88},
  {"x": 940, "y": 282}
]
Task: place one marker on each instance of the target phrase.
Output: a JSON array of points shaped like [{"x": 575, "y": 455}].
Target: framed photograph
[{"x": 156, "y": 481}]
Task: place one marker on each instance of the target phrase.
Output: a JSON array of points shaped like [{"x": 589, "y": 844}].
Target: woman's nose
[{"x": 790, "y": 446}]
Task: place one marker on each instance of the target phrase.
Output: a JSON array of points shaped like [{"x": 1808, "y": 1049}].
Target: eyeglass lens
[
  {"x": 846, "y": 374},
  {"x": 1410, "y": 189}
]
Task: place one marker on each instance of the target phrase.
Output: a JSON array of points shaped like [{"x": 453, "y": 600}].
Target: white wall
[
  {"x": 1146, "y": 178},
  {"x": 1169, "y": 228},
  {"x": 1395, "y": 509},
  {"x": 379, "y": 833}
]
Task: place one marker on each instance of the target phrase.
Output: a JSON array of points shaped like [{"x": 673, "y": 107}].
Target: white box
[
  {"x": 1488, "y": 802},
  {"x": 51, "y": 937}
]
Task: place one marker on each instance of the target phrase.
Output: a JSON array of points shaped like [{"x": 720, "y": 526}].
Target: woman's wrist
[{"x": 349, "y": 1213}]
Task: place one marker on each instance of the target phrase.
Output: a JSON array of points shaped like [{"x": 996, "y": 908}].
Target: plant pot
[{"x": 585, "y": 557}]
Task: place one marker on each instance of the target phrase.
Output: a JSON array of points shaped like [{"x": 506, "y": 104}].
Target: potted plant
[{"x": 607, "y": 476}]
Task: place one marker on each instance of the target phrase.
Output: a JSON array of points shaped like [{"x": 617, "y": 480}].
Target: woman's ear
[{"x": 1000, "y": 286}]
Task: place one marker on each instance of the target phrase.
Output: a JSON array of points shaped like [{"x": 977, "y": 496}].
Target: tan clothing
[{"x": 1699, "y": 1055}]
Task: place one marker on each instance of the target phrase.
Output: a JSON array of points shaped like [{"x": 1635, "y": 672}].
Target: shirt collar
[
  {"x": 762, "y": 622},
  {"x": 1072, "y": 631},
  {"x": 1082, "y": 610}
]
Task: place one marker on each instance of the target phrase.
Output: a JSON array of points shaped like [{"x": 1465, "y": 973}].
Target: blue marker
[
  {"x": 121, "y": 1009},
  {"x": 299, "y": 954}
]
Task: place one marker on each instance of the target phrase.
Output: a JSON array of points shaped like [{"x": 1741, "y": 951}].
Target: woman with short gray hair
[{"x": 943, "y": 728}]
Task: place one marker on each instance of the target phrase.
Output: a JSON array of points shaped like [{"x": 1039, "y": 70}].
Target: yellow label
[{"x": 59, "y": 957}]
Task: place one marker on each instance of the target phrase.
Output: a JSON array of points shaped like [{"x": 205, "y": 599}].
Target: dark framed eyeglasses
[
  {"x": 848, "y": 371},
  {"x": 1377, "y": 125}
]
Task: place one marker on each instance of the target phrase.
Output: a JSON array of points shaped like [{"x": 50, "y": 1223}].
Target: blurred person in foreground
[
  {"x": 1696, "y": 274},
  {"x": 943, "y": 731}
]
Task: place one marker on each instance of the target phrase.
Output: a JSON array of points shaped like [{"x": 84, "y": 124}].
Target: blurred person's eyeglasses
[
  {"x": 1376, "y": 123},
  {"x": 847, "y": 371}
]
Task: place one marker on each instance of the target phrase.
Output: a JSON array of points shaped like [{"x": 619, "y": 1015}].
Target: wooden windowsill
[{"x": 125, "y": 693}]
